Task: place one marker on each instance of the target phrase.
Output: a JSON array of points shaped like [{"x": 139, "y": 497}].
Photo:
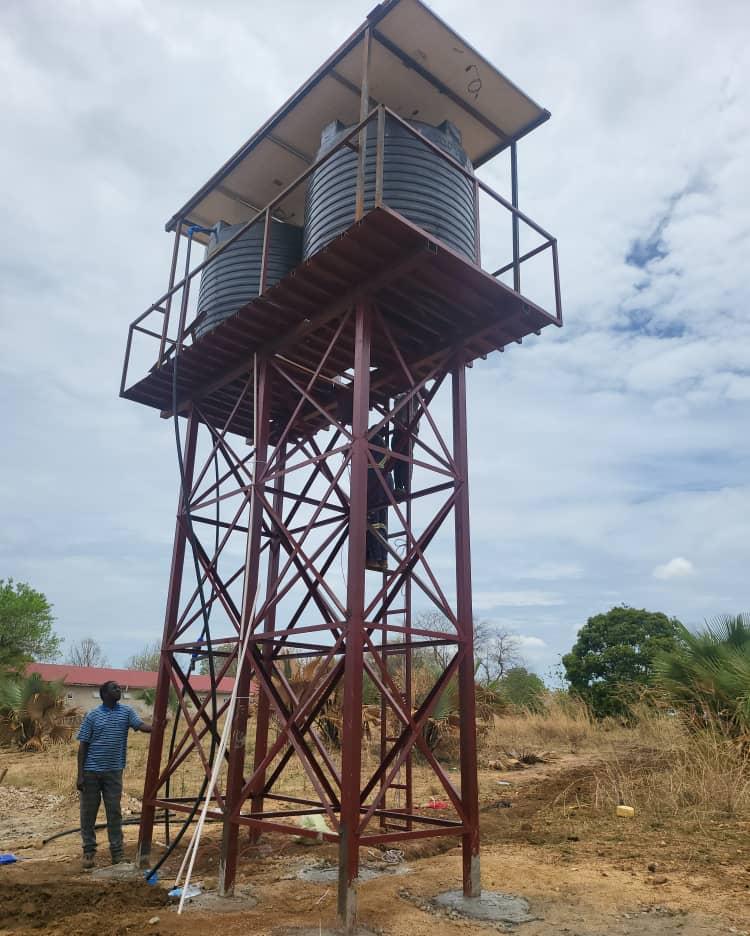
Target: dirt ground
[{"x": 583, "y": 872}]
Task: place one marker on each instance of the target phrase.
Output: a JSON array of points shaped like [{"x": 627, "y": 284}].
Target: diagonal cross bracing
[{"x": 310, "y": 494}]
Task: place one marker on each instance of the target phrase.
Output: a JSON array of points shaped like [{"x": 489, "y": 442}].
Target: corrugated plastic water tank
[
  {"x": 417, "y": 182},
  {"x": 233, "y": 279}
]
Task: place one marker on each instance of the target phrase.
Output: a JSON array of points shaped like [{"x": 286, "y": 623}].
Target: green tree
[
  {"x": 614, "y": 655},
  {"x": 522, "y": 688},
  {"x": 709, "y": 673},
  {"x": 148, "y": 697},
  {"x": 25, "y": 626},
  {"x": 146, "y": 659}
]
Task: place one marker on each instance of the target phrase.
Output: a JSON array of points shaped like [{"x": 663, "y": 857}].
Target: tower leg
[
  {"x": 236, "y": 769},
  {"x": 351, "y": 747},
  {"x": 262, "y": 715},
  {"x": 161, "y": 700},
  {"x": 468, "y": 739}
]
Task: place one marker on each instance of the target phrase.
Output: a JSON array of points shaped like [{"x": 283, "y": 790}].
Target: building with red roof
[{"x": 82, "y": 683}]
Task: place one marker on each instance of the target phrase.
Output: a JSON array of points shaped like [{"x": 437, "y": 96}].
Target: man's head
[{"x": 109, "y": 692}]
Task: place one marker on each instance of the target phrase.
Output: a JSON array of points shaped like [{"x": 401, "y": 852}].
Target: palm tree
[
  {"x": 709, "y": 673},
  {"x": 33, "y": 713}
]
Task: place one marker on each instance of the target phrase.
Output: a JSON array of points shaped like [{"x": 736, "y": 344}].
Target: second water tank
[
  {"x": 233, "y": 279},
  {"x": 417, "y": 183}
]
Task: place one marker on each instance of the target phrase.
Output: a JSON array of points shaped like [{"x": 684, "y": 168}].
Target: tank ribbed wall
[
  {"x": 233, "y": 279},
  {"x": 416, "y": 182}
]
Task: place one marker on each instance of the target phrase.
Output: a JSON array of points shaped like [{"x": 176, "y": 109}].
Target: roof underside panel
[
  {"x": 419, "y": 68},
  {"x": 272, "y": 164},
  {"x": 411, "y": 95},
  {"x": 428, "y": 41}
]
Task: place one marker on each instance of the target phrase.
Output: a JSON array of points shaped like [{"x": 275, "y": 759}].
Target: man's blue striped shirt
[{"x": 106, "y": 731}]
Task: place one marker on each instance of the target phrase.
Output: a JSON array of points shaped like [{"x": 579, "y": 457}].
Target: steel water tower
[{"x": 313, "y": 364}]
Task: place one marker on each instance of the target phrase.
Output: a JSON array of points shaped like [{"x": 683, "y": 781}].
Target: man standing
[{"x": 103, "y": 737}]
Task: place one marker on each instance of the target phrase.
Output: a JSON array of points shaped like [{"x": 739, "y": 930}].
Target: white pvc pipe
[{"x": 192, "y": 849}]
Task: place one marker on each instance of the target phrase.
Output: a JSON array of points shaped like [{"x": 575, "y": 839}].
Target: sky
[{"x": 609, "y": 459}]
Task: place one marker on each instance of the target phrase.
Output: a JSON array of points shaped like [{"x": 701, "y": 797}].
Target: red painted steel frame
[
  {"x": 162, "y": 691},
  {"x": 311, "y": 512},
  {"x": 387, "y": 316}
]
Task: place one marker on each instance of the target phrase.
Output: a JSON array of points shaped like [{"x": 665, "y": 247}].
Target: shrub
[
  {"x": 708, "y": 674},
  {"x": 33, "y": 713}
]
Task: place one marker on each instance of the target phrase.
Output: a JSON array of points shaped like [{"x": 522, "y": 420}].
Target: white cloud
[
  {"x": 595, "y": 451},
  {"x": 534, "y": 650},
  {"x": 675, "y": 568},
  {"x": 515, "y": 599},
  {"x": 551, "y": 571}
]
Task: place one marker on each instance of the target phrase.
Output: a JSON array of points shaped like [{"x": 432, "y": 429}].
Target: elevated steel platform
[{"x": 435, "y": 303}]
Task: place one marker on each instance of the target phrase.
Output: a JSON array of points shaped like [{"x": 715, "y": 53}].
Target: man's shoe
[
  {"x": 88, "y": 862},
  {"x": 118, "y": 859}
]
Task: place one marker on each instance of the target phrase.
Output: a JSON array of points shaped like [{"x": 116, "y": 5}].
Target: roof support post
[
  {"x": 556, "y": 273},
  {"x": 379, "y": 157},
  {"x": 267, "y": 229},
  {"x": 514, "y": 202},
  {"x": 477, "y": 235},
  {"x": 168, "y": 304},
  {"x": 185, "y": 298},
  {"x": 364, "y": 109}
]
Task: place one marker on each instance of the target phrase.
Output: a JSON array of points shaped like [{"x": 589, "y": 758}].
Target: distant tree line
[{"x": 618, "y": 656}]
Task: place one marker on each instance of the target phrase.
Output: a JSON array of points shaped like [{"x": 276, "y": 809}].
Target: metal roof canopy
[{"x": 419, "y": 68}]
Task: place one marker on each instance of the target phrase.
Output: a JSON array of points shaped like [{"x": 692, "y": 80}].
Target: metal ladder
[{"x": 403, "y": 787}]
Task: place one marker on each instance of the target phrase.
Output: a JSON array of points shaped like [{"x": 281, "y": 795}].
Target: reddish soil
[
  {"x": 583, "y": 874},
  {"x": 61, "y": 904}
]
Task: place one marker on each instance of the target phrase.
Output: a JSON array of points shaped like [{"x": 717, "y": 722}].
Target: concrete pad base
[
  {"x": 214, "y": 902},
  {"x": 491, "y": 907},
  {"x": 124, "y": 871},
  {"x": 326, "y": 931},
  {"x": 330, "y": 875}
]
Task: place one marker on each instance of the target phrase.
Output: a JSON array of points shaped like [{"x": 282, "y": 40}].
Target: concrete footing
[
  {"x": 490, "y": 906},
  {"x": 323, "y": 874},
  {"x": 325, "y": 931}
]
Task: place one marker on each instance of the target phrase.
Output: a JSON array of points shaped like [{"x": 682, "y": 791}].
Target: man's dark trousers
[{"x": 105, "y": 786}]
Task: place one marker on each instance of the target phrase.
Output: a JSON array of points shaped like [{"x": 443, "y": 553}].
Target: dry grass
[
  {"x": 676, "y": 770},
  {"x": 55, "y": 770},
  {"x": 658, "y": 764},
  {"x": 562, "y": 724}
]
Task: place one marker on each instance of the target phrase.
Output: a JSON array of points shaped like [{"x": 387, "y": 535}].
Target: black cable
[
  {"x": 99, "y": 825},
  {"x": 133, "y": 820}
]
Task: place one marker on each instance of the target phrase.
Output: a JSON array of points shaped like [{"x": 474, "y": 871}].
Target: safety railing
[{"x": 171, "y": 338}]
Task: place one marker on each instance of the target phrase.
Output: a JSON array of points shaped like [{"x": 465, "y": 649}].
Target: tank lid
[{"x": 419, "y": 67}]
